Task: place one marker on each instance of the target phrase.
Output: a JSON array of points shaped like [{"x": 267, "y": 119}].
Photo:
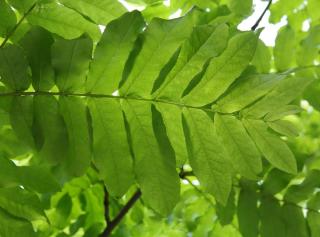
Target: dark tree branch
[
  {"x": 113, "y": 223},
  {"x": 262, "y": 15},
  {"x": 106, "y": 206},
  {"x": 17, "y": 25}
]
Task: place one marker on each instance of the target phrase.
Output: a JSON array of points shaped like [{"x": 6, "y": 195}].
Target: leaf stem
[
  {"x": 152, "y": 100},
  {"x": 17, "y": 25},
  {"x": 113, "y": 223},
  {"x": 262, "y": 15},
  {"x": 90, "y": 95},
  {"x": 203, "y": 194}
]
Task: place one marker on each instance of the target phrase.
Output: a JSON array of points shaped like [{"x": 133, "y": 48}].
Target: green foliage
[
  {"x": 208, "y": 158},
  {"x": 63, "y": 21},
  {"x": 8, "y": 18},
  {"x": 88, "y": 117},
  {"x": 101, "y": 12},
  {"x": 284, "y": 49},
  {"x": 14, "y": 68}
]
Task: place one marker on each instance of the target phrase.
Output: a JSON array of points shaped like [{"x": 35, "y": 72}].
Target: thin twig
[
  {"x": 200, "y": 192},
  {"x": 262, "y": 15},
  {"x": 113, "y": 223},
  {"x": 17, "y": 25}
]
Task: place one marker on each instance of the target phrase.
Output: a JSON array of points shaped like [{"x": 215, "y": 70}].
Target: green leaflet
[
  {"x": 37, "y": 43},
  {"x": 35, "y": 177},
  {"x": 209, "y": 161},
  {"x": 241, "y": 8},
  {"x": 205, "y": 42},
  {"x": 60, "y": 217},
  {"x": 22, "y": 5},
  {"x": 52, "y": 128},
  {"x": 11, "y": 147},
  {"x": 314, "y": 202},
  {"x": 309, "y": 45},
  {"x": 110, "y": 145},
  {"x": 284, "y": 127},
  {"x": 271, "y": 146},
  {"x": 248, "y": 213},
  {"x": 280, "y": 8},
  {"x": 276, "y": 181},
  {"x": 13, "y": 68},
  {"x": 281, "y": 112},
  {"x": 5, "y": 103},
  {"x": 100, "y": 11},
  {"x": 155, "y": 172},
  {"x": 296, "y": 18},
  {"x": 95, "y": 211},
  {"x": 313, "y": 217},
  {"x": 112, "y": 52},
  {"x": 145, "y": 2},
  {"x": 224, "y": 70},
  {"x": 226, "y": 213},
  {"x": 287, "y": 90},
  {"x": 20, "y": 32},
  {"x": 62, "y": 21},
  {"x": 38, "y": 178},
  {"x": 7, "y": 18},
  {"x": 313, "y": 9},
  {"x": 160, "y": 40},
  {"x": 70, "y": 59},
  {"x": 300, "y": 192},
  {"x": 242, "y": 150},
  {"x": 79, "y": 152},
  {"x": 253, "y": 86},
  {"x": 314, "y": 223},
  {"x": 8, "y": 177},
  {"x": 272, "y": 223},
  {"x": 172, "y": 117},
  {"x": 284, "y": 49},
  {"x": 311, "y": 94},
  {"x": 157, "y": 9},
  {"x": 21, "y": 118},
  {"x": 21, "y": 203},
  {"x": 294, "y": 221},
  {"x": 262, "y": 58},
  {"x": 11, "y": 226}
]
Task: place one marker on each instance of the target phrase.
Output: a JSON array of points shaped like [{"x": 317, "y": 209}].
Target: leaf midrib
[
  {"x": 243, "y": 155},
  {"x": 178, "y": 73},
  {"x": 270, "y": 146},
  {"x": 163, "y": 40},
  {"x": 218, "y": 70},
  {"x": 205, "y": 151},
  {"x": 92, "y": 95},
  {"x": 115, "y": 52}
]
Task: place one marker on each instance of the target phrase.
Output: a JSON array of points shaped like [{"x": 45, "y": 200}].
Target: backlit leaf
[{"x": 241, "y": 149}]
